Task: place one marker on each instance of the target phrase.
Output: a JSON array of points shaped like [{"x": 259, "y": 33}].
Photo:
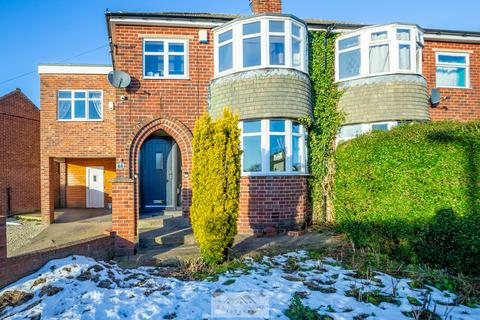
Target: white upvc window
[
  {"x": 260, "y": 42},
  {"x": 273, "y": 147},
  {"x": 165, "y": 59},
  {"x": 452, "y": 69},
  {"x": 378, "y": 50},
  {"x": 350, "y": 131},
  {"x": 80, "y": 105}
]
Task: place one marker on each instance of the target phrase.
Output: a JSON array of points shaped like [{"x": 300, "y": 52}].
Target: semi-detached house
[{"x": 131, "y": 148}]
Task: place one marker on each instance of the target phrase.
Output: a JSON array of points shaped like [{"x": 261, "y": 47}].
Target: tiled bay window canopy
[
  {"x": 379, "y": 50},
  {"x": 278, "y": 41}
]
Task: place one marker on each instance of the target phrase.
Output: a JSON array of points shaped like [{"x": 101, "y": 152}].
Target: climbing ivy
[{"x": 325, "y": 123}]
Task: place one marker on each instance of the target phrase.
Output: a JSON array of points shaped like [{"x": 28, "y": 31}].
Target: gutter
[{"x": 109, "y": 33}]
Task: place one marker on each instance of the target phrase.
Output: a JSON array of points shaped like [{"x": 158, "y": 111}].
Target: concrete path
[
  {"x": 70, "y": 225},
  {"x": 172, "y": 254}
]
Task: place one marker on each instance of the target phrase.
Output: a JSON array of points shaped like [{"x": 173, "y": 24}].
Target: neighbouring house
[
  {"x": 20, "y": 152},
  {"x": 131, "y": 148}
]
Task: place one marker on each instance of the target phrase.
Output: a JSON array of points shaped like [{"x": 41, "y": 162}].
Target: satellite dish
[
  {"x": 435, "y": 97},
  {"x": 119, "y": 79}
]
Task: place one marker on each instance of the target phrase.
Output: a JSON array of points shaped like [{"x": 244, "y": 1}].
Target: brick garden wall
[
  {"x": 20, "y": 149},
  {"x": 462, "y": 104},
  {"x": 277, "y": 201},
  {"x": 14, "y": 268}
]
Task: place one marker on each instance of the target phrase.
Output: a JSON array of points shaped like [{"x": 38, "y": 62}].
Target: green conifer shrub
[{"x": 215, "y": 185}]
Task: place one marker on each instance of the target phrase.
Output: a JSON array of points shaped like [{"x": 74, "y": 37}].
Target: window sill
[
  {"x": 79, "y": 120},
  {"x": 274, "y": 174},
  {"x": 456, "y": 88},
  {"x": 379, "y": 75},
  {"x": 230, "y": 72},
  {"x": 166, "y": 78}
]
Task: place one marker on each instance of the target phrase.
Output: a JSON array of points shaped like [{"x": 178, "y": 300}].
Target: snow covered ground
[{"x": 81, "y": 288}]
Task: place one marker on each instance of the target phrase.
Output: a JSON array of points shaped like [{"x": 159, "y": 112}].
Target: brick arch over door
[{"x": 182, "y": 136}]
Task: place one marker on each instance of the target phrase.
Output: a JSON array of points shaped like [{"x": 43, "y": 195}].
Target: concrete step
[
  {"x": 162, "y": 221},
  {"x": 166, "y": 236}
]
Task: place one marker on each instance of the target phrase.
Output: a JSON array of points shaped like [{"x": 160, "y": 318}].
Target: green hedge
[{"x": 413, "y": 193}]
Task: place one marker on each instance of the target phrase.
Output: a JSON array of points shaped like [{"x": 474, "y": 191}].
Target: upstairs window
[
  {"x": 164, "y": 59},
  {"x": 452, "y": 70},
  {"x": 80, "y": 105},
  {"x": 225, "y": 48},
  {"x": 349, "y": 57},
  {"x": 260, "y": 42},
  {"x": 252, "y": 45},
  {"x": 277, "y": 42},
  {"x": 379, "y": 50}
]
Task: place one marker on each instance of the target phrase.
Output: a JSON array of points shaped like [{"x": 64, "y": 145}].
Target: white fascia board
[
  {"x": 335, "y": 30},
  {"x": 70, "y": 69},
  {"x": 166, "y": 22},
  {"x": 451, "y": 38}
]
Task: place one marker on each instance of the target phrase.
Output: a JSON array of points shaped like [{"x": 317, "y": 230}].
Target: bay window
[
  {"x": 260, "y": 42},
  {"x": 274, "y": 146},
  {"x": 164, "y": 58},
  {"x": 379, "y": 50},
  {"x": 452, "y": 69},
  {"x": 79, "y": 105}
]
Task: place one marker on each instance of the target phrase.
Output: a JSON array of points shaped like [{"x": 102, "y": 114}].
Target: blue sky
[{"x": 50, "y": 31}]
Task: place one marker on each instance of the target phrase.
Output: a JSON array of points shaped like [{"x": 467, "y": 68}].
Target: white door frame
[{"x": 87, "y": 177}]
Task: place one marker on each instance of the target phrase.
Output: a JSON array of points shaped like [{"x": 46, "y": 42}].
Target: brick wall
[
  {"x": 71, "y": 139},
  {"x": 20, "y": 149},
  {"x": 263, "y": 6},
  {"x": 75, "y": 139},
  {"x": 462, "y": 104},
  {"x": 152, "y": 105},
  {"x": 277, "y": 201},
  {"x": 14, "y": 268}
]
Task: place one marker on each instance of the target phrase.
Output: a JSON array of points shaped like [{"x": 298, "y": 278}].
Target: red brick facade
[
  {"x": 71, "y": 139},
  {"x": 275, "y": 201},
  {"x": 461, "y": 104},
  {"x": 153, "y": 105},
  {"x": 266, "y": 6},
  {"x": 20, "y": 149}
]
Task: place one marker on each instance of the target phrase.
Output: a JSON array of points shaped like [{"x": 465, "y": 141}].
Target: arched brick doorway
[{"x": 126, "y": 188}]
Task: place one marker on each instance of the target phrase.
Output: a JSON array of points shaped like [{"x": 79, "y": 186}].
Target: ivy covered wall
[{"x": 325, "y": 123}]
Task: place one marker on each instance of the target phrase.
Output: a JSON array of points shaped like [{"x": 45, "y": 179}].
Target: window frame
[
  {"x": 238, "y": 37},
  {"x": 466, "y": 66},
  {"x": 166, "y": 54},
  {"x": 265, "y": 134},
  {"x": 243, "y": 38},
  {"x": 217, "y": 36},
  {"x": 365, "y": 128},
  {"x": 365, "y": 42},
  {"x": 72, "y": 101}
]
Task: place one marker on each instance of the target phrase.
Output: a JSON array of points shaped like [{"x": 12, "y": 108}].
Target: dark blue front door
[{"x": 156, "y": 173}]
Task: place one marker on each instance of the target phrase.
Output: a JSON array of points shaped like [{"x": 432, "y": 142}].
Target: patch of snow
[{"x": 100, "y": 290}]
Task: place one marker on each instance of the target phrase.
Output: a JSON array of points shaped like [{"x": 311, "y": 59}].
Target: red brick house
[
  {"x": 20, "y": 149},
  {"x": 132, "y": 147}
]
